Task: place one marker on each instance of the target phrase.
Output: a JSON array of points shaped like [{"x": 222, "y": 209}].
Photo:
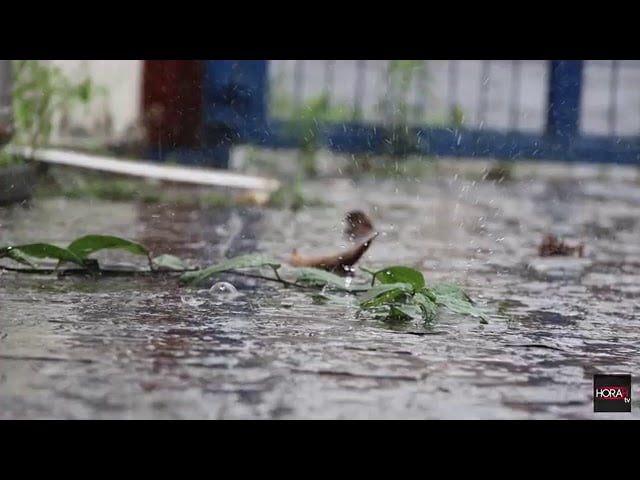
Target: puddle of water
[{"x": 145, "y": 348}]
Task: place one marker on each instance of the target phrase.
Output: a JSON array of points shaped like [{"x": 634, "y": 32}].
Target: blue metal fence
[{"x": 522, "y": 109}]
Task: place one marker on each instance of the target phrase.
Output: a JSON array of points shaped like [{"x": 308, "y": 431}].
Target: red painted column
[{"x": 172, "y": 102}]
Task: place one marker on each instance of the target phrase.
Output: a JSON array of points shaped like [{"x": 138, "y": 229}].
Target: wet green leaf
[
  {"x": 16, "y": 255},
  {"x": 320, "y": 278},
  {"x": 399, "y": 274},
  {"x": 427, "y": 304},
  {"x": 450, "y": 290},
  {"x": 170, "y": 262},
  {"x": 402, "y": 313},
  {"x": 41, "y": 250},
  {"x": 85, "y": 246},
  {"x": 388, "y": 293},
  {"x": 236, "y": 263},
  {"x": 456, "y": 300},
  {"x": 319, "y": 299}
]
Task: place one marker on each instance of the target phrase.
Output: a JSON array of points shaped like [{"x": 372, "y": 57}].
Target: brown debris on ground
[
  {"x": 552, "y": 246},
  {"x": 357, "y": 225},
  {"x": 358, "y": 228}
]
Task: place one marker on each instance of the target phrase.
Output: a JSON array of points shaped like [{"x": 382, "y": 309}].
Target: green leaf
[
  {"x": 321, "y": 278},
  {"x": 236, "y": 263},
  {"x": 41, "y": 250},
  {"x": 402, "y": 313},
  {"x": 382, "y": 294},
  {"x": 319, "y": 299},
  {"x": 400, "y": 274},
  {"x": 456, "y": 300},
  {"x": 84, "y": 91},
  {"x": 427, "y": 304},
  {"x": 16, "y": 255},
  {"x": 450, "y": 290},
  {"x": 395, "y": 312},
  {"x": 170, "y": 262},
  {"x": 89, "y": 244}
]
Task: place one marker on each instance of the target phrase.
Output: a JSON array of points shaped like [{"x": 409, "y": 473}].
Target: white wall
[{"x": 122, "y": 79}]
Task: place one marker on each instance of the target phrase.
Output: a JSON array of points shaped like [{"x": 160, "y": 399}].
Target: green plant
[
  {"x": 500, "y": 172},
  {"x": 7, "y": 160},
  {"x": 457, "y": 116},
  {"x": 306, "y": 122},
  {"x": 402, "y": 294},
  {"x": 399, "y": 114},
  {"x": 396, "y": 293},
  {"x": 77, "y": 252},
  {"x": 400, "y": 75},
  {"x": 41, "y": 92}
]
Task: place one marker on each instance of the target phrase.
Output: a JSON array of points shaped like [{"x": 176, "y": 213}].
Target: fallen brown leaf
[
  {"x": 552, "y": 246},
  {"x": 339, "y": 264},
  {"x": 358, "y": 226}
]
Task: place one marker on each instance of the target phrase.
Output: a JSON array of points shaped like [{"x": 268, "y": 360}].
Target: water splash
[{"x": 192, "y": 301}]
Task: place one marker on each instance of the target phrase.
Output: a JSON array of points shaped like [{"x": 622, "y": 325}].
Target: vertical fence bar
[
  {"x": 516, "y": 71},
  {"x": 565, "y": 86},
  {"x": 329, "y": 68},
  {"x": 298, "y": 83},
  {"x": 360, "y": 86},
  {"x": 452, "y": 86},
  {"x": 423, "y": 92},
  {"x": 613, "y": 95},
  {"x": 484, "y": 92}
]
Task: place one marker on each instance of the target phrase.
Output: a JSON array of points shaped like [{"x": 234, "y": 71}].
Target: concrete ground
[{"x": 122, "y": 348}]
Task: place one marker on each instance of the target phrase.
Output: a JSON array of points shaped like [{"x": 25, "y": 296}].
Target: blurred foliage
[
  {"x": 41, "y": 93},
  {"x": 309, "y": 118}
]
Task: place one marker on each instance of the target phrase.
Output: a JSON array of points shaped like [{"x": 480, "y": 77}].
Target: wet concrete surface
[{"x": 122, "y": 348}]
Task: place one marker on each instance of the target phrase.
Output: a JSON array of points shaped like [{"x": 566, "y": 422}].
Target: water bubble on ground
[{"x": 224, "y": 290}]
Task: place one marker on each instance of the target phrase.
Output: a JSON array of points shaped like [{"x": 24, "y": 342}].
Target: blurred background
[
  {"x": 218, "y": 113},
  {"x": 167, "y": 102},
  {"x": 500, "y": 94}
]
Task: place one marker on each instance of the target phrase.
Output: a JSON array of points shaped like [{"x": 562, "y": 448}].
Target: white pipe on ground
[{"x": 190, "y": 175}]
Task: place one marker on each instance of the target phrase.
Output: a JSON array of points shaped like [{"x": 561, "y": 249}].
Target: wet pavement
[{"x": 123, "y": 348}]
